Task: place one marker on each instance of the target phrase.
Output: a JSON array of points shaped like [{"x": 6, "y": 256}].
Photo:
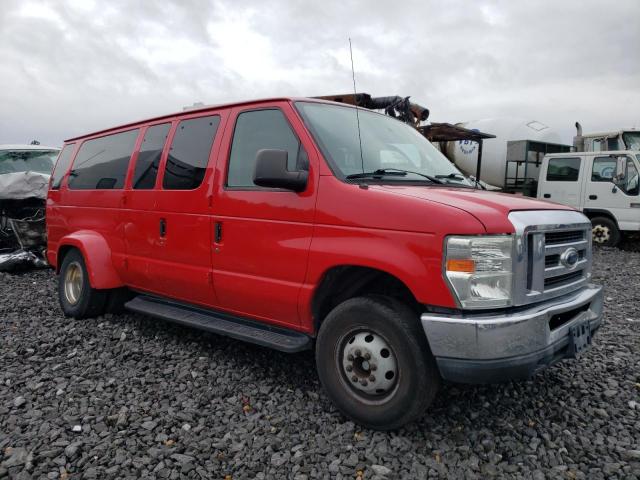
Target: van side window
[
  {"x": 144, "y": 176},
  {"x": 62, "y": 165},
  {"x": 102, "y": 163},
  {"x": 563, "y": 169},
  {"x": 257, "y": 130},
  {"x": 604, "y": 169},
  {"x": 189, "y": 153}
]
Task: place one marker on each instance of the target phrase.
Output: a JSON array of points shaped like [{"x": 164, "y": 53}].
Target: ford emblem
[{"x": 569, "y": 258}]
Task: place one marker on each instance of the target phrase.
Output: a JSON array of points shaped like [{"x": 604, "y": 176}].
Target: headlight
[{"x": 479, "y": 270}]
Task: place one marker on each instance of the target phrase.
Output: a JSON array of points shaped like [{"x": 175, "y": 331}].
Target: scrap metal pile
[{"x": 24, "y": 178}]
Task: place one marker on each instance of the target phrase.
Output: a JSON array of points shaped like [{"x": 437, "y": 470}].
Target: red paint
[{"x": 276, "y": 245}]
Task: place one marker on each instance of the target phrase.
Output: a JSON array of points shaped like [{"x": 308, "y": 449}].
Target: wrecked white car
[{"x": 24, "y": 178}]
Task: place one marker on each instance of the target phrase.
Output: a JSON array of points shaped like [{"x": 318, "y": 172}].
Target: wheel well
[
  {"x": 62, "y": 252},
  {"x": 348, "y": 281},
  {"x": 591, "y": 214}
]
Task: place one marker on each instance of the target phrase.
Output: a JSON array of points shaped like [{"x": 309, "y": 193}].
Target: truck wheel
[
  {"x": 374, "y": 362},
  {"x": 77, "y": 298},
  {"x": 605, "y": 232}
]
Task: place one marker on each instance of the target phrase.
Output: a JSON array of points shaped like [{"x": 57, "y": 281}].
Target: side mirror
[{"x": 271, "y": 171}]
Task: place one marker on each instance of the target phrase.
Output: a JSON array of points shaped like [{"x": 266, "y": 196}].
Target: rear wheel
[
  {"x": 605, "y": 232},
  {"x": 77, "y": 298},
  {"x": 374, "y": 362}
]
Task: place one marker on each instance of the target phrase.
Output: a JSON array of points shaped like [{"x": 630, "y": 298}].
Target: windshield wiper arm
[
  {"x": 393, "y": 172},
  {"x": 453, "y": 176}
]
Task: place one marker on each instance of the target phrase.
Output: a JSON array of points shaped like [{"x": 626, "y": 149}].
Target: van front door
[
  {"x": 262, "y": 236},
  {"x": 561, "y": 181},
  {"x": 613, "y": 186}
]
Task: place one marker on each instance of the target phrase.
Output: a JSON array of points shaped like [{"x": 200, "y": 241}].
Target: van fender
[{"x": 97, "y": 257}]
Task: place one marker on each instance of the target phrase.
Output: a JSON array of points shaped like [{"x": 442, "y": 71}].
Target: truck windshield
[
  {"x": 40, "y": 161},
  {"x": 631, "y": 140},
  {"x": 391, "y": 150}
]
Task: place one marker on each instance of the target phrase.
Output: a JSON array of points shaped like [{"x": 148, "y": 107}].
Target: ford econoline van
[{"x": 304, "y": 224}]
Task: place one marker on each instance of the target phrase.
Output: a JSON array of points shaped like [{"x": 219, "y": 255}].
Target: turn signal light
[{"x": 460, "y": 265}]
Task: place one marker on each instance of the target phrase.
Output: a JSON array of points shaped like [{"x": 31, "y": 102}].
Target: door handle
[
  {"x": 547, "y": 195},
  {"x": 593, "y": 197},
  {"x": 218, "y": 232},
  {"x": 163, "y": 227}
]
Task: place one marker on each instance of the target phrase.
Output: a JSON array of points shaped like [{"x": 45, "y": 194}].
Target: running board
[{"x": 222, "y": 324}]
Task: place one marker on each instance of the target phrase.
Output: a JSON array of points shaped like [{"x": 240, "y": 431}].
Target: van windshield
[
  {"x": 632, "y": 140},
  {"x": 40, "y": 161},
  {"x": 391, "y": 150}
]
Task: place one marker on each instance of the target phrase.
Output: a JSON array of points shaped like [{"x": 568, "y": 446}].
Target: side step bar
[{"x": 220, "y": 323}]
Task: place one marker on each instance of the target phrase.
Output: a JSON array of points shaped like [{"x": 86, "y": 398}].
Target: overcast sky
[{"x": 71, "y": 67}]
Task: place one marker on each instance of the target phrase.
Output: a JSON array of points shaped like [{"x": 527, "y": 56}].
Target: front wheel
[
  {"x": 605, "y": 232},
  {"x": 374, "y": 362}
]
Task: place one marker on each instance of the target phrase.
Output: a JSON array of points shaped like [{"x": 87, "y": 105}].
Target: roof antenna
[{"x": 355, "y": 100}]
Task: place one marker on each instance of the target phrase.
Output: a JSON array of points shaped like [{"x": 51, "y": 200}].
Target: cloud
[{"x": 70, "y": 67}]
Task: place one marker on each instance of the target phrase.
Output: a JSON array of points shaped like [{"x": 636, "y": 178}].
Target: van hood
[{"x": 490, "y": 208}]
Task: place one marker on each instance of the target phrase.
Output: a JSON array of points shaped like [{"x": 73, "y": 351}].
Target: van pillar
[{"x": 479, "y": 165}]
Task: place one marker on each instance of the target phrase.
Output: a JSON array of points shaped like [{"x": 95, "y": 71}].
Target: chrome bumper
[{"x": 481, "y": 348}]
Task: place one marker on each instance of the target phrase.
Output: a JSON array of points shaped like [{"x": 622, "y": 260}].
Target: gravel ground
[{"x": 131, "y": 397}]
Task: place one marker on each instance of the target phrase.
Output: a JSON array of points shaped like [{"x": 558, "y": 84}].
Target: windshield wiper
[
  {"x": 381, "y": 172},
  {"x": 452, "y": 176}
]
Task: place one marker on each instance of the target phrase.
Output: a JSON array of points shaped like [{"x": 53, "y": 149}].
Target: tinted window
[
  {"x": 604, "y": 169},
  {"x": 255, "y": 131},
  {"x": 144, "y": 176},
  {"x": 189, "y": 154},
  {"x": 62, "y": 165},
  {"x": 563, "y": 169},
  {"x": 102, "y": 163}
]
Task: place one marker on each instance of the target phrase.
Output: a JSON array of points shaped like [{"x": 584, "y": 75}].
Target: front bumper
[{"x": 488, "y": 348}]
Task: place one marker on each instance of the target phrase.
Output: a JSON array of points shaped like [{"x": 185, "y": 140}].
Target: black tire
[
  {"x": 605, "y": 232},
  {"x": 85, "y": 301},
  {"x": 416, "y": 378}
]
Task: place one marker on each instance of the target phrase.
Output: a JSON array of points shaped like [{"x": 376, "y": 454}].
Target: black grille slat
[
  {"x": 560, "y": 280},
  {"x": 551, "y": 261},
  {"x": 555, "y": 238}
]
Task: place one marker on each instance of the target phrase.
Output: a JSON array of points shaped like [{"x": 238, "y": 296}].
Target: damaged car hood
[{"x": 21, "y": 185}]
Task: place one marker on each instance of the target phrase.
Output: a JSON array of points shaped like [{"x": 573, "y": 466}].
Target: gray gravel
[{"x": 131, "y": 397}]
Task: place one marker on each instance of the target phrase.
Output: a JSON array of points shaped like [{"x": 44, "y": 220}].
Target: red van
[{"x": 299, "y": 224}]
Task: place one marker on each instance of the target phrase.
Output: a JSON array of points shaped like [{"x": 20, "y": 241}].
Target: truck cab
[
  {"x": 602, "y": 184},
  {"x": 608, "y": 141}
]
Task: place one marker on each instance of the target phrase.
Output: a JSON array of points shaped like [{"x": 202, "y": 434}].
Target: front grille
[
  {"x": 553, "y": 254},
  {"x": 555, "y": 238}
]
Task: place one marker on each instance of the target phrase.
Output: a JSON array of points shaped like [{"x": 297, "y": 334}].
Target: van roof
[{"x": 204, "y": 108}]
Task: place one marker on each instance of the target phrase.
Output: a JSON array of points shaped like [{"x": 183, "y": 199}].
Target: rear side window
[
  {"x": 144, "y": 176},
  {"x": 62, "y": 165},
  {"x": 101, "y": 163},
  {"x": 257, "y": 130},
  {"x": 563, "y": 170},
  {"x": 604, "y": 169},
  {"x": 189, "y": 154}
]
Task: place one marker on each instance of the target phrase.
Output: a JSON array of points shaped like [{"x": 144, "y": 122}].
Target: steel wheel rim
[
  {"x": 368, "y": 365},
  {"x": 601, "y": 234},
  {"x": 73, "y": 281}
]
